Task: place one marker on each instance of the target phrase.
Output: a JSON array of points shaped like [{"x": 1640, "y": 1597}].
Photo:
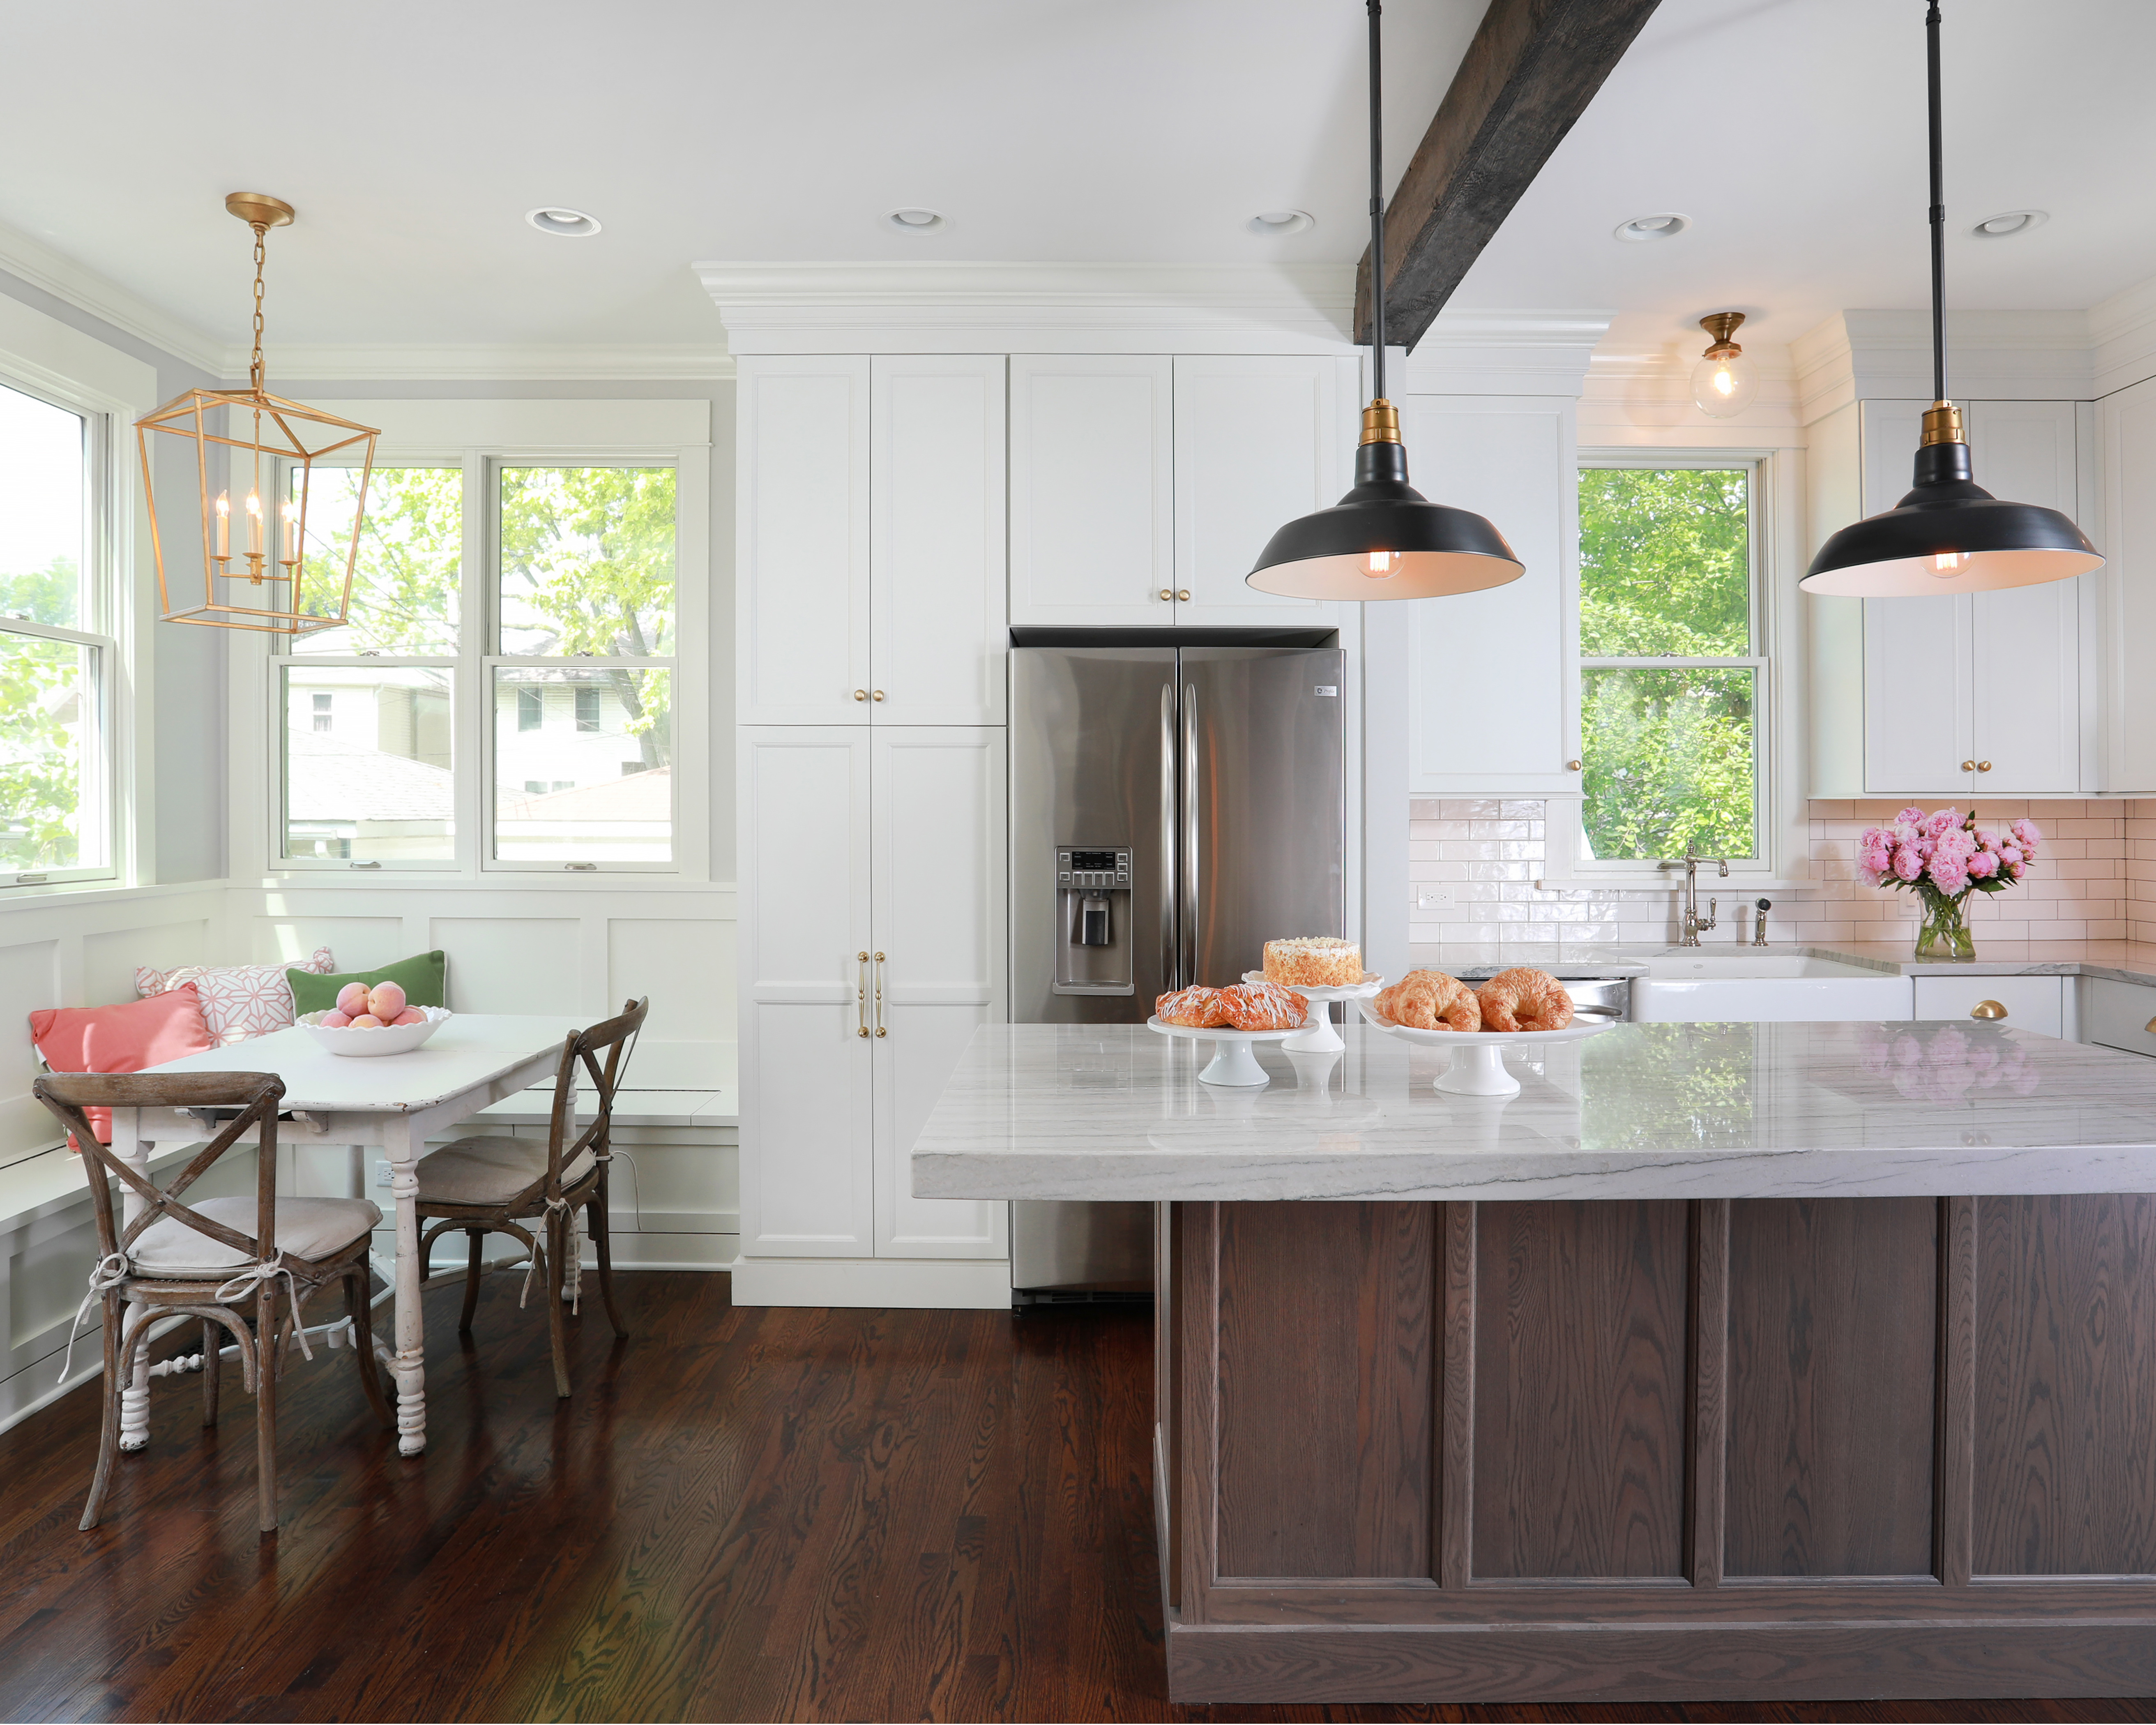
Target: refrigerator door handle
[
  {"x": 1170, "y": 973},
  {"x": 1190, "y": 858}
]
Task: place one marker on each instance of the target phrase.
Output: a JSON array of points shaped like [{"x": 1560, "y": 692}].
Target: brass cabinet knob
[
  {"x": 877, "y": 696},
  {"x": 1983, "y": 766},
  {"x": 1987, "y": 1010},
  {"x": 860, "y": 695},
  {"x": 1184, "y": 594},
  {"x": 2149, "y": 1028},
  {"x": 1168, "y": 593},
  {"x": 1969, "y": 766},
  {"x": 1572, "y": 766}
]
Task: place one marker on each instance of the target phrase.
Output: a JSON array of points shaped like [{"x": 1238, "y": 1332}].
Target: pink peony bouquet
[{"x": 1943, "y": 857}]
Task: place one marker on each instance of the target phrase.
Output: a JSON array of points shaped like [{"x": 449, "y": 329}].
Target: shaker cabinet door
[
  {"x": 939, "y": 918},
  {"x": 807, "y": 1119},
  {"x": 937, "y": 550},
  {"x": 1259, "y": 441},
  {"x": 801, "y": 605},
  {"x": 1092, "y": 486}
]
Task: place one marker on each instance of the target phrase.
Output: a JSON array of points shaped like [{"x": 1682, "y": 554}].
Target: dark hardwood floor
[{"x": 740, "y": 1515}]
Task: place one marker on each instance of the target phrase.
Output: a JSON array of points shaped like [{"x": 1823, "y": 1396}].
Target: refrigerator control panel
[{"x": 1082, "y": 870}]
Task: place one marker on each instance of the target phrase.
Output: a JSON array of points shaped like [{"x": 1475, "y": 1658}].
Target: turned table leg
[
  {"x": 132, "y": 1148},
  {"x": 409, "y": 1364}
]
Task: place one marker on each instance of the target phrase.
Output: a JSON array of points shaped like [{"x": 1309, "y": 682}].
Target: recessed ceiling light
[
  {"x": 1281, "y": 221},
  {"x": 913, "y": 219},
  {"x": 2011, "y": 221},
  {"x": 558, "y": 218},
  {"x": 1665, "y": 225}
]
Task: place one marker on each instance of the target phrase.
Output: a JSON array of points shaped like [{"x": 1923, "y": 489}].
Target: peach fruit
[
  {"x": 335, "y": 1020},
  {"x": 366, "y": 1021},
  {"x": 410, "y": 1015},
  {"x": 351, "y": 999},
  {"x": 385, "y": 1000}
]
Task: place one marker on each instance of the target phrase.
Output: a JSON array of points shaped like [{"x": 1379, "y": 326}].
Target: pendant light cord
[
  {"x": 1938, "y": 209},
  {"x": 1378, "y": 201}
]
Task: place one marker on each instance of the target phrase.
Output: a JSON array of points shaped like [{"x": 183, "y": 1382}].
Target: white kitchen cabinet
[
  {"x": 2119, "y": 1014},
  {"x": 2127, "y": 435},
  {"x": 872, "y": 943},
  {"x": 1489, "y": 672},
  {"x": 1259, "y": 441},
  {"x": 1976, "y": 694},
  {"x": 2032, "y": 1002},
  {"x": 1092, "y": 489},
  {"x": 801, "y": 578},
  {"x": 936, "y": 543}
]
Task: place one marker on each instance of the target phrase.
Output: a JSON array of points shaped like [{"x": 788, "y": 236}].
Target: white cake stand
[
  {"x": 1478, "y": 1056},
  {"x": 1318, "y": 1036},
  {"x": 1232, "y": 1063}
]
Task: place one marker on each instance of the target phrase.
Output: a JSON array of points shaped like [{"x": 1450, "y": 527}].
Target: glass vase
[{"x": 1942, "y": 937}]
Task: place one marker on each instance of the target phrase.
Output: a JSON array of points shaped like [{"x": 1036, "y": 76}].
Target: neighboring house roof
[
  {"x": 634, "y": 796},
  {"x": 334, "y": 780}
]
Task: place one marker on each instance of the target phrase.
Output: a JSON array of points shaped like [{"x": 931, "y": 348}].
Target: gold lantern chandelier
[{"x": 252, "y": 559}]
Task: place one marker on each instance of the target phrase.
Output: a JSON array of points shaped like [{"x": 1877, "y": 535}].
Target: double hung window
[
  {"x": 59, "y": 658},
  {"x": 1673, "y": 669},
  {"x": 502, "y": 687}
]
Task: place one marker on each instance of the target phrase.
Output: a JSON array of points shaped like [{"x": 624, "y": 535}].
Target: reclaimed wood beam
[{"x": 1532, "y": 69}]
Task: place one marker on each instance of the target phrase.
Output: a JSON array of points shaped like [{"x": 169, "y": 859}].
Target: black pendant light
[
  {"x": 1384, "y": 540},
  {"x": 1948, "y": 535}
]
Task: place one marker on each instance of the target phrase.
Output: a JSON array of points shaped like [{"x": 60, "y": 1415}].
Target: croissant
[
  {"x": 1430, "y": 1000},
  {"x": 1522, "y": 999}
]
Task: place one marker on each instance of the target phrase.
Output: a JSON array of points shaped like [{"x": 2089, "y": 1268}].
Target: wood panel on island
[{"x": 1510, "y": 1450}]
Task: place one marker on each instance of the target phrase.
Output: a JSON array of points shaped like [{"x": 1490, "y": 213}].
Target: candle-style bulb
[
  {"x": 291, "y": 515},
  {"x": 224, "y": 524},
  {"x": 254, "y": 523}
]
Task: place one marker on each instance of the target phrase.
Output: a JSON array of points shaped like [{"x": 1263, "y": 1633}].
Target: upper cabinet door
[
  {"x": 801, "y": 576},
  {"x": 1489, "y": 708},
  {"x": 1093, "y": 482},
  {"x": 936, "y": 544},
  {"x": 2126, "y": 434},
  {"x": 1259, "y": 441},
  {"x": 940, "y": 919},
  {"x": 2026, "y": 721}
]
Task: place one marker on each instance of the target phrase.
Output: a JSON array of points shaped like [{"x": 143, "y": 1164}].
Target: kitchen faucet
[{"x": 1692, "y": 926}]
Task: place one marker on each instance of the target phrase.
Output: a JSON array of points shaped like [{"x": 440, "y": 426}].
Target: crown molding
[
  {"x": 1469, "y": 351},
  {"x": 1991, "y": 356},
  {"x": 936, "y": 307},
  {"x": 75, "y": 284},
  {"x": 2123, "y": 328},
  {"x": 400, "y": 362}
]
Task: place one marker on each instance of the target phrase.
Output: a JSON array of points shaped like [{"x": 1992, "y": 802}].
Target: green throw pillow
[{"x": 423, "y": 978}]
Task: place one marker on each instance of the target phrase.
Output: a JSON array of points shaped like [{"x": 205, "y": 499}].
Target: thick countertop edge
[{"x": 1633, "y": 961}]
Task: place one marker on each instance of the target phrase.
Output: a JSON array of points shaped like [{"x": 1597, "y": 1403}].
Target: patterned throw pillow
[{"x": 238, "y": 1000}]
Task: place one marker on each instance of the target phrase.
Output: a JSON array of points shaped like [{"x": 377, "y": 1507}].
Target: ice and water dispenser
[{"x": 1093, "y": 943}]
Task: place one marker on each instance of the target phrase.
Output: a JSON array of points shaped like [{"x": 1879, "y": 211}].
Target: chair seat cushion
[
  {"x": 306, "y": 1228},
  {"x": 490, "y": 1170}
]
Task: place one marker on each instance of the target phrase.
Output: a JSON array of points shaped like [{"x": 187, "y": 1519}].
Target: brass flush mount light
[
  {"x": 1724, "y": 381},
  {"x": 254, "y": 569}
]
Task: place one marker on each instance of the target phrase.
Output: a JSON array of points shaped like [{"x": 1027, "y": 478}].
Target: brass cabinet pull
[
  {"x": 1969, "y": 766},
  {"x": 875, "y": 694},
  {"x": 1182, "y": 593},
  {"x": 1987, "y": 1010},
  {"x": 1168, "y": 593},
  {"x": 860, "y": 695},
  {"x": 2149, "y": 1028},
  {"x": 861, "y": 993},
  {"x": 1983, "y": 766},
  {"x": 1572, "y": 766},
  {"x": 879, "y": 995}
]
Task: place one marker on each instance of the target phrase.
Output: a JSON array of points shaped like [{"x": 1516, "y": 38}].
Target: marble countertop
[
  {"x": 1641, "y": 1110},
  {"x": 2121, "y": 961}
]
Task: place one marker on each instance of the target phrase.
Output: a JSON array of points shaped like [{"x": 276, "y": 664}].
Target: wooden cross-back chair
[
  {"x": 220, "y": 1259},
  {"x": 486, "y": 1185}
]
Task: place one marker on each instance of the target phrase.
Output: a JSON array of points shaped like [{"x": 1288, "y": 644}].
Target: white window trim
[
  {"x": 41, "y": 356},
  {"x": 480, "y": 436},
  {"x": 1779, "y": 652}
]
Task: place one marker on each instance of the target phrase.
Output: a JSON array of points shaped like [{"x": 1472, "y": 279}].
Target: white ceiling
[{"x": 412, "y": 137}]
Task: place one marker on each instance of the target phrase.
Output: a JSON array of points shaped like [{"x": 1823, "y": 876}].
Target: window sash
[
  {"x": 96, "y": 799},
  {"x": 490, "y": 860},
  {"x": 1760, "y": 862}
]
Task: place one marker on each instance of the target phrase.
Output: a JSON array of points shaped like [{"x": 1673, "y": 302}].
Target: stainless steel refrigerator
[{"x": 1173, "y": 807}]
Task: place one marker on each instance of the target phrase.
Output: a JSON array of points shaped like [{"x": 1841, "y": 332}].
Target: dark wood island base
[{"x": 1665, "y": 1450}]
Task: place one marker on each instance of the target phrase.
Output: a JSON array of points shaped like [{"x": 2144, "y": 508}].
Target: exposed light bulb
[
  {"x": 1377, "y": 565},
  {"x": 1724, "y": 381},
  {"x": 1946, "y": 563}
]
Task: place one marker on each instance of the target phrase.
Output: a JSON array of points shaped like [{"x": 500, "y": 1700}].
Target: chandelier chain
[{"x": 255, "y": 368}]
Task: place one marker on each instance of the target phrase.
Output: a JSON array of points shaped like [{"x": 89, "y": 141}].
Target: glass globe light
[{"x": 1724, "y": 381}]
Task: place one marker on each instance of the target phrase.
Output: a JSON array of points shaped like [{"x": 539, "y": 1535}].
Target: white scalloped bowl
[{"x": 389, "y": 1040}]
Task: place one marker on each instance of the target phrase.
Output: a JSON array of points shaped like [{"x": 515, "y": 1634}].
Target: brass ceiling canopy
[{"x": 283, "y": 440}]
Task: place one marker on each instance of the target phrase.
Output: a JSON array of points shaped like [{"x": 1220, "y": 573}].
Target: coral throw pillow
[
  {"x": 130, "y": 1038},
  {"x": 238, "y": 1000}
]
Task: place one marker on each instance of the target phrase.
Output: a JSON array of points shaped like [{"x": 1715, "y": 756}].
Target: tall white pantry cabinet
[{"x": 870, "y": 604}]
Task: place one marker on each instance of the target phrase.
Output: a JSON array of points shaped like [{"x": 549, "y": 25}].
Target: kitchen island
[{"x": 1732, "y": 1360}]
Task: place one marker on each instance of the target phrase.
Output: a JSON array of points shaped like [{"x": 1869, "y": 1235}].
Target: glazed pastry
[
  {"x": 1194, "y": 1008},
  {"x": 1430, "y": 1000},
  {"x": 1525, "y": 1000},
  {"x": 1265, "y": 1006},
  {"x": 1316, "y": 961}
]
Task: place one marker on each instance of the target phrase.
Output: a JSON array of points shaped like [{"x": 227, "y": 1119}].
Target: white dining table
[{"x": 395, "y": 1102}]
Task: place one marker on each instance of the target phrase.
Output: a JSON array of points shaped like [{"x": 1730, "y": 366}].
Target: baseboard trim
[{"x": 964, "y": 1285}]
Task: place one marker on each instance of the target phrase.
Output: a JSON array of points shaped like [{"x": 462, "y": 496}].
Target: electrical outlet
[
  {"x": 381, "y": 1173},
  {"x": 1432, "y": 898}
]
